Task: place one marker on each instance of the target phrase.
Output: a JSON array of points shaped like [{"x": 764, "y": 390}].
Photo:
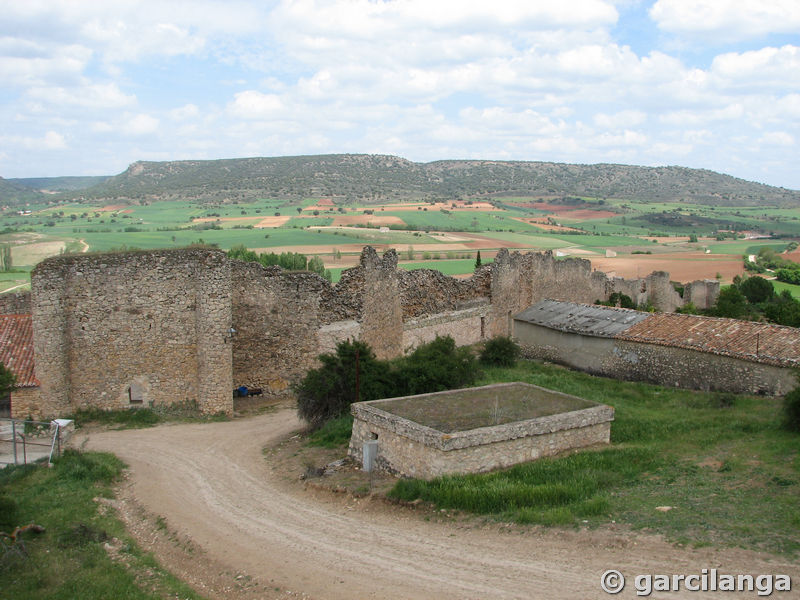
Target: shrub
[
  {"x": 791, "y": 410},
  {"x": 327, "y": 392},
  {"x": 436, "y": 366},
  {"x": 500, "y": 351}
]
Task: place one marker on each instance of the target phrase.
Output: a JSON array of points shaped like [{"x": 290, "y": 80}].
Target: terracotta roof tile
[
  {"x": 760, "y": 342},
  {"x": 16, "y": 348}
]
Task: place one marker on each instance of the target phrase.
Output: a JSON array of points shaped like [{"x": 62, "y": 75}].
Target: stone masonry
[{"x": 135, "y": 328}]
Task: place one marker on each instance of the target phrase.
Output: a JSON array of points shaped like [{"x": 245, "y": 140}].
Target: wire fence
[{"x": 23, "y": 442}]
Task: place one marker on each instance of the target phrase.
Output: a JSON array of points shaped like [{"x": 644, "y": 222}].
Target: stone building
[
  {"x": 188, "y": 325},
  {"x": 689, "y": 351}
]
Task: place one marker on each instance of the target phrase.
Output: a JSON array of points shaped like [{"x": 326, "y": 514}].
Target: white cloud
[
  {"x": 727, "y": 19},
  {"x": 620, "y": 120},
  {"x": 252, "y": 104},
  {"x": 89, "y": 95},
  {"x": 773, "y": 66},
  {"x": 25, "y": 63},
  {"x": 776, "y": 138},
  {"x": 185, "y": 112},
  {"x": 141, "y": 124},
  {"x": 51, "y": 140}
]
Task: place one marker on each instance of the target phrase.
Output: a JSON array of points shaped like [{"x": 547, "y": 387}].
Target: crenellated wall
[{"x": 155, "y": 327}]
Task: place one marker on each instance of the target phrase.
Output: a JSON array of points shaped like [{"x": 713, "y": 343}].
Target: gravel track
[{"x": 214, "y": 486}]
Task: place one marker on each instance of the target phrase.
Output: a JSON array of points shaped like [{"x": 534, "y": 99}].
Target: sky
[{"x": 88, "y": 87}]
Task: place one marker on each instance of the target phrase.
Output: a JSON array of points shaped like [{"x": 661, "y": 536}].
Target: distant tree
[
  {"x": 5, "y": 257},
  {"x": 783, "y": 309},
  {"x": 299, "y": 209},
  {"x": 692, "y": 238},
  {"x": 478, "y": 259},
  {"x": 731, "y": 303},
  {"x": 756, "y": 289}
]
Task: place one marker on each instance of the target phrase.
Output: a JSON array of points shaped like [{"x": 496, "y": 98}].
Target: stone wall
[
  {"x": 155, "y": 326},
  {"x": 15, "y": 303},
  {"x": 276, "y": 315},
  {"x": 665, "y": 365},
  {"x": 136, "y": 328},
  {"x": 27, "y": 403},
  {"x": 466, "y": 327},
  {"x": 409, "y": 449}
]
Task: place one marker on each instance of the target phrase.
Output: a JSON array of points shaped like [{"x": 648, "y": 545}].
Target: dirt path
[{"x": 214, "y": 487}]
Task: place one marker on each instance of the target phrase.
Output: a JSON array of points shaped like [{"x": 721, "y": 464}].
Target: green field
[
  {"x": 780, "y": 286},
  {"x": 74, "y": 227}
]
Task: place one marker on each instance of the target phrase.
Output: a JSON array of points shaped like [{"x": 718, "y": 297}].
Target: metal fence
[{"x": 24, "y": 442}]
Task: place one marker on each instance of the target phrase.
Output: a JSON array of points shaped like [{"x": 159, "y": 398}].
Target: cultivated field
[{"x": 642, "y": 237}]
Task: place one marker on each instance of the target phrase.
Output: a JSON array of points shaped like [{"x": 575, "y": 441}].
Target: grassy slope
[
  {"x": 69, "y": 559},
  {"x": 731, "y": 474}
]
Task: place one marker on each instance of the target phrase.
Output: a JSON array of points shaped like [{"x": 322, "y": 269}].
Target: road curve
[{"x": 212, "y": 483}]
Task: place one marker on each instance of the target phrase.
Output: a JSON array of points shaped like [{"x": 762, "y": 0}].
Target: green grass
[
  {"x": 134, "y": 418},
  {"x": 68, "y": 560},
  {"x": 730, "y": 472},
  {"x": 779, "y": 286},
  {"x": 333, "y": 434}
]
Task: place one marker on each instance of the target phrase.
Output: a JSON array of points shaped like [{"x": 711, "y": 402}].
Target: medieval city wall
[
  {"x": 155, "y": 327},
  {"x": 136, "y": 328}
]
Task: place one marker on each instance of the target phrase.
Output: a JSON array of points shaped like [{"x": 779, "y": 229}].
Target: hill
[
  {"x": 60, "y": 184},
  {"x": 378, "y": 179},
  {"x": 15, "y": 194}
]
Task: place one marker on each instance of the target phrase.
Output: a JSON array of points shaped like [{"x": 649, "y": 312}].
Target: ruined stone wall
[
  {"x": 466, "y": 327},
  {"x": 703, "y": 294},
  {"x": 15, "y": 303},
  {"x": 382, "y": 312},
  {"x": 154, "y": 326},
  {"x": 665, "y": 365},
  {"x": 135, "y": 328},
  {"x": 276, "y": 315}
]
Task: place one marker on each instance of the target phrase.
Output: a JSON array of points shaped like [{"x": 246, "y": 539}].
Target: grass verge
[
  {"x": 333, "y": 434},
  {"x": 724, "y": 465},
  {"x": 84, "y": 552},
  {"x": 134, "y": 418}
]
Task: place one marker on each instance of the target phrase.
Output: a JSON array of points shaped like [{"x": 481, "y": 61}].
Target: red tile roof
[
  {"x": 760, "y": 342},
  {"x": 16, "y": 348}
]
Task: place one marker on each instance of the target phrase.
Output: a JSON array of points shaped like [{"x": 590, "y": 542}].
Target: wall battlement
[{"x": 135, "y": 328}]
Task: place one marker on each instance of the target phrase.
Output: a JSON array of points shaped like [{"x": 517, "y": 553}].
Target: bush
[
  {"x": 435, "y": 367},
  {"x": 500, "y": 351},
  {"x": 327, "y": 392},
  {"x": 791, "y": 410}
]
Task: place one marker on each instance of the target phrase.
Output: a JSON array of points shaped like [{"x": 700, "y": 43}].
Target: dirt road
[{"x": 212, "y": 484}]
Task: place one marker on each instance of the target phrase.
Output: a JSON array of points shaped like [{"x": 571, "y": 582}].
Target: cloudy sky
[{"x": 88, "y": 87}]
